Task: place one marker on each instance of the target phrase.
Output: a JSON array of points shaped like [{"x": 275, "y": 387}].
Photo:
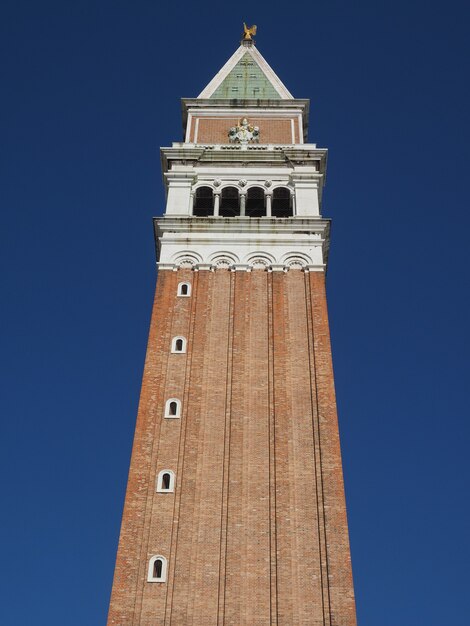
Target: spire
[{"x": 246, "y": 75}]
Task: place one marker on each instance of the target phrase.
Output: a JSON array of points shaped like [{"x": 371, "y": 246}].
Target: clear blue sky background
[{"x": 91, "y": 90}]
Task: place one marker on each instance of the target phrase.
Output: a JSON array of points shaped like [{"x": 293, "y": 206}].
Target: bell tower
[{"x": 235, "y": 512}]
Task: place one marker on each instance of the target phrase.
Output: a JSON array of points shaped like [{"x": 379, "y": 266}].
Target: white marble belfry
[{"x": 243, "y": 241}]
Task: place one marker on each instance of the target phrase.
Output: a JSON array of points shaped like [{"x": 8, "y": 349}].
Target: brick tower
[{"x": 235, "y": 511}]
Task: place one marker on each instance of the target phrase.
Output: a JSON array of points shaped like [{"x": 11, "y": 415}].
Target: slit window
[
  {"x": 173, "y": 408},
  {"x": 178, "y": 345},
  {"x": 166, "y": 481},
  {"x": 157, "y": 570},
  {"x": 184, "y": 289}
]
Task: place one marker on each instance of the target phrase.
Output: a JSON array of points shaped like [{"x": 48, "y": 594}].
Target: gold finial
[{"x": 248, "y": 31}]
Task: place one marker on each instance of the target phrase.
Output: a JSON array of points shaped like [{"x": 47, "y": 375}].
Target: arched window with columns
[
  {"x": 255, "y": 202},
  {"x": 203, "y": 202},
  {"x": 229, "y": 202},
  {"x": 282, "y": 202}
]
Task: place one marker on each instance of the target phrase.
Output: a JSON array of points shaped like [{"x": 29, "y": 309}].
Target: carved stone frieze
[{"x": 252, "y": 262}]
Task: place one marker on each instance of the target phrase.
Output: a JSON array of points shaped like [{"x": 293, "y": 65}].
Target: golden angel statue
[{"x": 248, "y": 31}]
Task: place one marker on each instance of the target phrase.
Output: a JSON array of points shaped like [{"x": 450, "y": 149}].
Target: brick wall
[
  {"x": 256, "y": 530},
  {"x": 272, "y": 130}
]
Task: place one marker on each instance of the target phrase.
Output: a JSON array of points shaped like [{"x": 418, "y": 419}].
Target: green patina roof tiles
[{"x": 246, "y": 80}]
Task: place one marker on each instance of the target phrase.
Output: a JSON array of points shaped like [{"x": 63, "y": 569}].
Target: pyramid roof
[{"x": 246, "y": 75}]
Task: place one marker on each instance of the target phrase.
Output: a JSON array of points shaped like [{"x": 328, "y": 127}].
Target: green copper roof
[{"x": 246, "y": 80}]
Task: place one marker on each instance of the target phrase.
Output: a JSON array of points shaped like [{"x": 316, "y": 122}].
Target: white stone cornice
[
  {"x": 179, "y": 176},
  {"x": 241, "y": 267},
  {"x": 301, "y": 155},
  {"x": 241, "y": 225},
  {"x": 242, "y": 243}
]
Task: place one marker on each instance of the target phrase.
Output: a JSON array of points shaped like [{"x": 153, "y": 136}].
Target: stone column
[
  {"x": 216, "y": 203},
  {"x": 242, "y": 203},
  {"x": 268, "y": 204}
]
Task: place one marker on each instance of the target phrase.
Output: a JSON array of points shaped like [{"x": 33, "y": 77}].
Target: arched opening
[
  {"x": 178, "y": 344},
  {"x": 282, "y": 202},
  {"x": 203, "y": 202},
  {"x": 255, "y": 202},
  {"x": 184, "y": 289},
  {"x": 166, "y": 481},
  {"x": 157, "y": 570},
  {"x": 229, "y": 202},
  {"x": 173, "y": 408}
]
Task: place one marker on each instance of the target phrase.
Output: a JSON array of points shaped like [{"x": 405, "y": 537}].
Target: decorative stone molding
[
  {"x": 296, "y": 260},
  {"x": 260, "y": 259},
  {"x": 254, "y": 261},
  {"x": 223, "y": 263},
  {"x": 187, "y": 259},
  {"x": 255, "y": 264},
  {"x": 222, "y": 257},
  {"x": 214, "y": 243},
  {"x": 296, "y": 264},
  {"x": 258, "y": 263}
]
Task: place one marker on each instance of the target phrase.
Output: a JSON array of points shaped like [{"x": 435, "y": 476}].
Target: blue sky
[{"x": 90, "y": 92}]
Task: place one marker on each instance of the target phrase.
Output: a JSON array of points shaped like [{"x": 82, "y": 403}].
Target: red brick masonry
[
  {"x": 255, "y": 533},
  {"x": 214, "y": 130}
]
